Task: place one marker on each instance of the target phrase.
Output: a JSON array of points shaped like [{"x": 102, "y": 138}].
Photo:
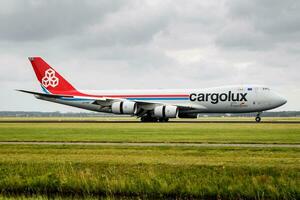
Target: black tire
[
  {"x": 163, "y": 119},
  {"x": 257, "y": 119},
  {"x": 154, "y": 119},
  {"x": 148, "y": 119},
  {"x": 143, "y": 119}
]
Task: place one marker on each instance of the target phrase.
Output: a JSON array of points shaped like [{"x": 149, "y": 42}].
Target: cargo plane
[{"x": 155, "y": 105}]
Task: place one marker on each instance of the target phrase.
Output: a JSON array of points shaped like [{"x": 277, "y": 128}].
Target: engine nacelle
[
  {"x": 124, "y": 107},
  {"x": 166, "y": 111}
]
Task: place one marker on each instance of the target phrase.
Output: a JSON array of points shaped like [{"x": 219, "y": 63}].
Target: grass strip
[
  {"x": 149, "y": 172},
  {"x": 112, "y": 132}
]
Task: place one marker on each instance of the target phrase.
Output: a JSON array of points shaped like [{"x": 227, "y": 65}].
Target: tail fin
[{"x": 51, "y": 81}]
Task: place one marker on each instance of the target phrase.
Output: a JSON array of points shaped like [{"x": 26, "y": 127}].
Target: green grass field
[
  {"x": 149, "y": 132},
  {"x": 152, "y": 172},
  {"x": 78, "y": 171}
]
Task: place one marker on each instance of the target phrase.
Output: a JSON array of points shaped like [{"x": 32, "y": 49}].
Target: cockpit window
[{"x": 265, "y": 88}]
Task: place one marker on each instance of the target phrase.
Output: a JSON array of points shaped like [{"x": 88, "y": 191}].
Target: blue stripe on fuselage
[
  {"x": 75, "y": 99},
  {"x": 132, "y": 98},
  {"x": 158, "y": 98}
]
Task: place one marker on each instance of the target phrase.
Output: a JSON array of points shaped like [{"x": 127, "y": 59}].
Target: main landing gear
[
  {"x": 163, "y": 119},
  {"x": 149, "y": 118},
  {"x": 257, "y": 118}
]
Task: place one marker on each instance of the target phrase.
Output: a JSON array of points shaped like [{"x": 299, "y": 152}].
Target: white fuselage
[
  {"x": 154, "y": 105},
  {"x": 226, "y": 99}
]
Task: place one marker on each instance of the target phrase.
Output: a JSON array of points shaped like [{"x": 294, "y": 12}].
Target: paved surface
[
  {"x": 154, "y": 144},
  {"x": 121, "y": 121}
]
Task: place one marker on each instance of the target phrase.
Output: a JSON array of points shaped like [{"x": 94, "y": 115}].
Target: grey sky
[{"x": 123, "y": 44}]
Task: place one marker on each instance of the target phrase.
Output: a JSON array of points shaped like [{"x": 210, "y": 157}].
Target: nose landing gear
[{"x": 257, "y": 118}]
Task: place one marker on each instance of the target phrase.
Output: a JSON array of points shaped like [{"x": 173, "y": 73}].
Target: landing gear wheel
[
  {"x": 148, "y": 118},
  {"x": 257, "y": 119},
  {"x": 163, "y": 119},
  {"x": 153, "y": 119},
  {"x": 143, "y": 119}
]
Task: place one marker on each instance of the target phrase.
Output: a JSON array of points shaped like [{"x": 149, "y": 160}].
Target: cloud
[
  {"x": 42, "y": 20},
  {"x": 149, "y": 44},
  {"x": 260, "y": 24}
]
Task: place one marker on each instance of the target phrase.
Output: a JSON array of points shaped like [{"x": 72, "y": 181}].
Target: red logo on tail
[{"x": 50, "y": 79}]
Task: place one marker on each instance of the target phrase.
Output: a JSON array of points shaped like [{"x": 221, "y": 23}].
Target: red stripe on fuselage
[{"x": 76, "y": 93}]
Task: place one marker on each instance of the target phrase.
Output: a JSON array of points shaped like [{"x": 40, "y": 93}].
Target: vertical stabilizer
[{"x": 50, "y": 80}]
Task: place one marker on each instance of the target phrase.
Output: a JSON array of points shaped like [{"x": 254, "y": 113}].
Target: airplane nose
[{"x": 281, "y": 100}]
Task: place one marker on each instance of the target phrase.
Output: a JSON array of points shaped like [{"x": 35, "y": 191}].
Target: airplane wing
[{"x": 105, "y": 101}]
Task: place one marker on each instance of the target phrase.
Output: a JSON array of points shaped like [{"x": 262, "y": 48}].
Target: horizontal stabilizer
[{"x": 44, "y": 95}]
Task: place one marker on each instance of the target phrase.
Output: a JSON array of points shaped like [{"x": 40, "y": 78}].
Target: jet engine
[
  {"x": 124, "y": 107},
  {"x": 166, "y": 111}
]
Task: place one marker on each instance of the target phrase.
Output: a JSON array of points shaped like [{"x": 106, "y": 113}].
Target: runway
[
  {"x": 133, "y": 122},
  {"x": 152, "y": 144}
]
